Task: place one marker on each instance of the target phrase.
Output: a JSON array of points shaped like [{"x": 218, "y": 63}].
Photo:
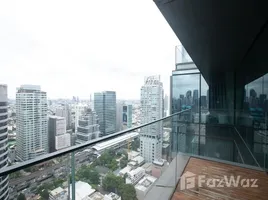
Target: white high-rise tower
[
  {"x": 88, "y": 127},
  {"x": 151, "y": 109},
  {"x": 31, "y": 112},
  {"x": 3, "y": 140}
]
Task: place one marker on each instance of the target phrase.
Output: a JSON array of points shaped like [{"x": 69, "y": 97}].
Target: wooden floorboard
[{"x": 216, "y": 170}]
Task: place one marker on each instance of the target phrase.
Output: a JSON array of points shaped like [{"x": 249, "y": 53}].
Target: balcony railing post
[
  {"x": 68, "y": 175},
  {"x": 73, "y": 174}
]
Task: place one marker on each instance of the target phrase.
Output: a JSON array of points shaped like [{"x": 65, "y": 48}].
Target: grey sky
[{"x": 75, "y": 48}]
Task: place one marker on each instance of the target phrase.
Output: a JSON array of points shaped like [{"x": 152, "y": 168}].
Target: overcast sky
[{"x": 75, "y": 48}]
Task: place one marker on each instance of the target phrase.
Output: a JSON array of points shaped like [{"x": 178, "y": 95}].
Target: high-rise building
[
  {"x": 195, "y": 102},
  {"x": 119, "y": 116},
  {"x": 166, "y": 103},
  {"x": 65, "y": 111},
  {"x": 57, "y": 136},
  {"x": 123, "y": 116},
  {"x": 203, "y": 101},
  {"x": 79, "y": 111},
  {"x": 151, "y": 109},
  {"x": 3, "y": 140},
  {"x": 127, "y": 116},
  {"x": 189, "y": 98},
  {"x": 31, "y": 112},
  {"x": 105, "y": 107},
  {"x": 88, "y": 127},
  {"x": 195, "y": 95}
]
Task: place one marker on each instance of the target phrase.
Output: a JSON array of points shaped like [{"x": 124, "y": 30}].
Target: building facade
[
  {"x": 31, "y": 112},
  {"x": 105, "y": 107},
  {"x": 88, "y": 127},
  {"x": 127, "y": 116},
  {"x": 185, "y": 95},
  {"x": 166, "y": 105},
  {"x": 119, "y": 116},
  {"x": 151, "y": 109},
  {"x": 123, "y": 116},
  {"x": 3, "y": 140},
  {"x": 79, "y": 111},
  {"x": 57, "y": 136},
  {"x": 65, "y": 111}
]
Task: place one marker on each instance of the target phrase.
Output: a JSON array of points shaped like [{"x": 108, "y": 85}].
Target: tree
[
  {"x": 70, "y": 178},
  {"x": 119, "y": 154},
  {"x": 128, "y": 192},
  {"x": 16, "y": 174},
  {"x": 31, "y": 169},
  {"x": 21, "y": 197},
  {"x": 125, "y": 154},
  {"x": 45, "y": 194},
  {"x": 116, "y": 184},
  {"x": 112, "y": 183},
  {"x": 111, "y": 152},
  {"x": 113, "y": 165},
  {"x": 57, "y": 182},
  {"x": 123, "y": 163},
  {"x": 94, "y": 177},
  {"x": 88, "y": 174},
  {"x": 135, "y": 144}
]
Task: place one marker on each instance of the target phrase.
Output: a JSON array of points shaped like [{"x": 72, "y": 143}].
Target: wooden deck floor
[{"x": 217, "y": 170}]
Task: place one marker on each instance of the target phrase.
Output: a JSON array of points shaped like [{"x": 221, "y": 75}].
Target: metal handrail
[
  {"x": 49, "y": 156},
  {"x": 247, "y": 147},
  {"x": 239, "y": 152}
]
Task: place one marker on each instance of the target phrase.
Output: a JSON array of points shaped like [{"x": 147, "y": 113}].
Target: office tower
[
  {"x": 127, "y": 116},
  {"x": 79, "y": 111},
  {"x": 262, "y": 100},
  {"x": 105, "y": 107},
  {"x": 189, "y": 98},
  {"x": 203, "y": 101},
  {"x": 123, "y": 116},
  {"x": 3, "y": 139},
  {"x": 119, "y": 116},
  {"x": 195, "y": 96},
  {"x": 31, "y": 112},
  {"x": 57, "y": 136},
  {"x": 166, "y": 103},
  {"x": 151, "y": 109},
  {"x": 88, "y": 127},
  {"x": 65, "y": 111},
  {"x": 253, "y": 101},
  {"x": 195, "y": 102}
]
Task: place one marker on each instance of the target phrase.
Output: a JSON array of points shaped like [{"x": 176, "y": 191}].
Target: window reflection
[{"x": 256, "y": 105}]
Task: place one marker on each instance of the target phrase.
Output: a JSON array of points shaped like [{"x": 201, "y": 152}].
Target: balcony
[{"x": 102, "y": 166}]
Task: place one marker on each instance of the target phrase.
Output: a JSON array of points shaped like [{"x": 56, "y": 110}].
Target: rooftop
[
  {"x": 105, "y": 145},
  {"x": 159, "y": 162},
  {"x": 30, "y": 87},
  {"x": 125, "y": 170},
  {"x": 133, "y": 172},
  {"x": 56, "y": 117},
  {"x": 133, "y": 154},
  {"x": 145, "y": 183},
  {"x": 82, "y": 190},
  {"x": 111, "y": 196},
  {"x": 96, "y": 196},
  {"x": 57, "y": 191},
  {"x": 138, "y": 160}
]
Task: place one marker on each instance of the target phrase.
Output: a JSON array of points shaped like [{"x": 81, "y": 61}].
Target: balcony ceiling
[{"x": 221, "y": 36}]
